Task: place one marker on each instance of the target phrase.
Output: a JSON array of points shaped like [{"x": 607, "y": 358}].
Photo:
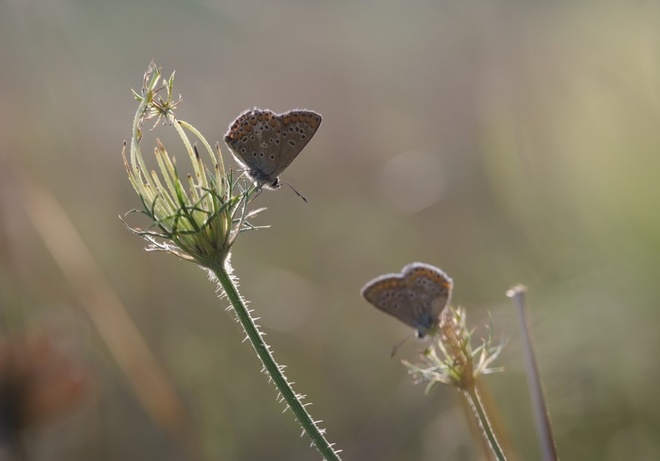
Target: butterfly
[
  {"x": 417, "y": 296},
  {"x": 266, "y": 143}
]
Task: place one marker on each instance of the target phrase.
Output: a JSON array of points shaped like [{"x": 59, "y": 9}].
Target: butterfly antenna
[
  {"x": 294, "y": 189},
  {"x": 398, "y": 345}
]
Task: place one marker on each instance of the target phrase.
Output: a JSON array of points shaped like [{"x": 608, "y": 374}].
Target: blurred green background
[{"x": 505, "y": 142}]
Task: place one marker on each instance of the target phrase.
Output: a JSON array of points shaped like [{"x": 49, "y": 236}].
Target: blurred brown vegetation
[{"x": 504, "y": 142}]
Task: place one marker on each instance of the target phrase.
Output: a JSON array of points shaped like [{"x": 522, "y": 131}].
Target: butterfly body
[
  {"x": 266, "y": 142},
  {"x": 416, "y": 297}
]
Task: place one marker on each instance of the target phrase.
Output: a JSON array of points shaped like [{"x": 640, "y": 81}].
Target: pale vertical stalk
[{"x": 539, "y": 405}]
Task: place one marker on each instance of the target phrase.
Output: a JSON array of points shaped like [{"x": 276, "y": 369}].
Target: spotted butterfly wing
[
  {"x": 416, "y": 297},
  {"x": 266, "y": 142}
]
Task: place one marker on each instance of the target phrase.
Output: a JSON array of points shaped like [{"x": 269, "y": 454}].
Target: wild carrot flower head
[{"x": 196, "y": 217}]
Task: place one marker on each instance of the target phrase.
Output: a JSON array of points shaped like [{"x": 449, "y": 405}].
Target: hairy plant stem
[
  {"x": 272, "y": 368},
  {"x": 472, "y": 396}
]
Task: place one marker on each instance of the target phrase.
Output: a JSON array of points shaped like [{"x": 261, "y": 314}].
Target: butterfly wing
[
  {"x": 266, "y": 143},
  {"x": 433, "y": 288},
  {"x": 416, "y": 297},
  {"x": 254, "y": 139},
  {"x": 298, "y": 128},
  {"x": 389, "y": 294}
]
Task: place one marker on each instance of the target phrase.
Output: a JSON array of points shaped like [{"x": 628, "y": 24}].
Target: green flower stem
[
  {"x": 472, "y": 396},
  {"x": 272, "y": 368},
  {"x": 200, "y": 222}
]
